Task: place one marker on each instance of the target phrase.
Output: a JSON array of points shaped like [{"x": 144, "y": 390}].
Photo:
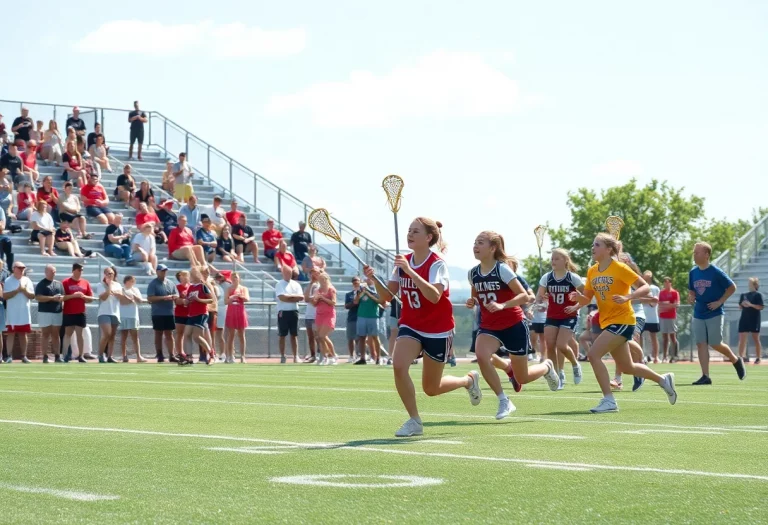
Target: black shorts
[
  {"x": 568, "y": 324},
  {"x": 163, "y": 323},
  {"x": 64, "y": 216},
  {"x": 514, "y": 340},
  {"x": 474, "y": 340},
  {"x": 288, "y": 322},
  {"x": 537, "y": 328},
  {"x": 624, "y": 330},
  {"x": 436, "y": 348},
  {"x": 653, "y": 328},
  {"x": 73, "y": 320},
  {"x": 181, "y": 320},
  {"x": 745, "y": 327},
  {"x": 137, "y": 135},
  {"x": 198, "y": 321}
]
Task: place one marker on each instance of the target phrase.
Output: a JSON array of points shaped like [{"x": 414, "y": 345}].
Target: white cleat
[
  {"x": 551, "y": 376},
  {"x": 475, "y": 394},
  {"x": 410, "y": 428},
  {"x": 506, "y": 407},
  {"x": 577, "y": 377},
  {"x": 605, "y": 405},
  {"x": 562, "y": 378},
  {"x": 668, "y": 384}
]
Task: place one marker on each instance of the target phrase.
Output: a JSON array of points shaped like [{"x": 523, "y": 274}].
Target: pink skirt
[
  {"x": 325, "y": 317},
  {"x": 236, "y": 317}
]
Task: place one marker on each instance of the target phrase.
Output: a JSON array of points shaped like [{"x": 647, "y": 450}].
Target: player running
[
  {"x": 426, "y": 322},
  {"x": 199, "y": 296}
]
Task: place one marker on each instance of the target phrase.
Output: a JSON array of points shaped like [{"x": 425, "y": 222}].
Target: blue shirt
[
  {"x": 709, "y": 285},
  {"x": 205, "y": 236},
  {"x": 352, "y": 312},
  {"x": 193, "y": 217}
]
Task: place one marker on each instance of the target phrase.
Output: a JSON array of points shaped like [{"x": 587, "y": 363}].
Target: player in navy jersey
[
  {"x": 426, "y": 322},
  {"x": 560, "y": 325},
  {"x": 498, "y": 291}
]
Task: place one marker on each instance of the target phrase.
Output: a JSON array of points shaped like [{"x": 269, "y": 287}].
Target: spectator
[
  {"x": 125, "y": 190},
  {"x": 168, "y": 178},
  {"x": 19, "y": 291},
  {"x": 182, "y": 179},
  {"x": 145, "y": 195},
  {"x": 129, "y": 318},
  {"x": 207, "y": 239},
  {"x": 29, "y": 158},
  {"x": 146, "y": 215},
  {"x": 137, "y": 118},
  {"x": 42, "y": 224},
  {"x": 64, "y": 241},
  {"x": 669, "y": 300},
  {"x": 651, "y": 310},
  {"x": 182, "y": 247},
  {"x": 74, "y": 167},
  {"x": 3, "y": 354},
  {"x": 161, "y": 294},
  {"x": 750, "y": 304},
  {"x": 49, "y": 293},
  {"x": 25, "y": 202},
  {"x": 310, "y": 316},
  {"x": 91, "y": 167},
  {"x": 270, "y": 239},
  {"x": 53, "y": 147},
  {"x": 300, "y": 242},
  {"x": 75, "y": 122},
  {"x": 23, "y": 125},
  {"x": 367, "y": 320},
  {"x": 167, "y": 216},
  {"x": 12, "y": 164},
  {"x": 6, "y": 246},
  {"x": 222, "y": 286},
  {"x": 96, "y": 201},
  {"x": 109, "y": 292},
  {"x": 352, "y": 307},
  {"x": 91, "y": 138},
  {"x": 285, "y": 258},
  {"x": 213, "y": 311},
  {"x": 49, "y": 195},
  {"x": 312, "y": 260},
  {"x": 70, "y": 210},
  {"x": 325, "y": 302},
  {"x": 225, "y": 248},
  {"x": 217, "y": 215},
  {"x": 144, "y": 247},
  {"x": 181, "y": 312},
  {"x": 98, "y": 153},
  {"x": 37, "y": 133},
  {"x": 192, "y": 213},
  {"x": 233, "y": 215},
  {"x": 289, "y": 294},
  {"x": 6, "y": 192},
  {"x": 71, "y": 137},
  {"x": 117, "y": 241},
  {"x": 245, "y": 240},
  {"x": 3, "y": 131}
]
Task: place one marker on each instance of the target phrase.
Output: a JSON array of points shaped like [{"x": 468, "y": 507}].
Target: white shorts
[
  {"x": 221, "y": 317},
  {"x": 46, "y": 319}
]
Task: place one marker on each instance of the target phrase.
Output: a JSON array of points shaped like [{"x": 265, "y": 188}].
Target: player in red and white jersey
[
  {"x": 426, "y": 322},
  {"x": 561, "y": 324},
  {"x": 503, "y": 331},
  {"x": 199, "y": 296}
]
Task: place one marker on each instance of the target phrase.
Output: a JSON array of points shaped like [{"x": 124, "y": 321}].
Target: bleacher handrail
[{"x": 747, "y": 247}]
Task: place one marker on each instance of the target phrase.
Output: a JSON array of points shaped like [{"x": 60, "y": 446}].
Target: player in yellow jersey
[{"x": 610, "y": 282}]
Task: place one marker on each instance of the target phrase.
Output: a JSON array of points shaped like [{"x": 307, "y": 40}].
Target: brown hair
[
  {"x": 569, "y": 264},
  {"x": 610, "y": 242},
  {"x": 499, "y": 253},
  {"x": 704, "y": 245},
  {"x": 434, "y": 228},
  {"x": 627, "y": 259},
  {"x": 667, "y": 279}
]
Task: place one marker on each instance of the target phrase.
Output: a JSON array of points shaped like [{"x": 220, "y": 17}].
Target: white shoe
[
  {"x": 333, "y": 361},
  {"x": 668, "y": 384},
  {"x": 410, "y": 428},
  {"x": 577, "y": 377},
  {"x": 551, "y": 376},
  {"x": 506, "y": 407},
  {"x": 323, "y": 361},
  {"x": 350, "y": 360},
  {"x": 295, "y": 360},
  {"x": 562, "y": 377},
  {"x": 475, "y": 394},
  {"x": 606, "y": 405}
]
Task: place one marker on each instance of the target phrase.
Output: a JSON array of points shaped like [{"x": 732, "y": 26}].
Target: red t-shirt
[
  {"x": 233, "y": 217},
  {"x": 271, "y": 238},
  {"x": 200, "y": 290},
  {"x": 142, "y": 218},
  {"x": 25, "y": 201},
  {"x": 182, "y": 311},
  {"x": 671, "y": 297},
  {"x": 75, "y": 306},
  {"x": 92, "y": 192},
  {"x": 180, "y": 238},
  {"x": 43, "y": 195},
  {"x": 29, "y": 159},
  {"x": 286, "y": 258}
]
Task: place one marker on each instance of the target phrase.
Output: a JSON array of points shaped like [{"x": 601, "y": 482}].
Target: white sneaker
[
  {"x": 577, "y": 374},
  {"x": 475, "y": 394},
  {"x": 333, "y": 361},
  {"x": 410, "y": 428},
  {"x": 295, "y": 360},
  {"x": 506, "y": 407},
  {"x": 606, "y": 405},
  {"x": 350, "y": 360},
  {"x": 323, "y": 362},
  {"x": 562, "y": 377},
  {"x": 668, "y": 384},
  {"x": 551, "y": 376}
]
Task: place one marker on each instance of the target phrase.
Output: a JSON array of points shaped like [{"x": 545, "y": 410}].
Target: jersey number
[
  {"x": 413, "y": 299},
  {"x": 559, "y": 298},
  {"x": 487, "y": 298}
]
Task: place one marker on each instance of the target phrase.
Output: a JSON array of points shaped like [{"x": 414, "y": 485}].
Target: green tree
[{"x": 529, "y": 267}]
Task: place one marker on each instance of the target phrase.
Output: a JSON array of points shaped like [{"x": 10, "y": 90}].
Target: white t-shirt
[
  {"x": 145, "y": 242},
  {"x": 71, "y": 202},
  {"x": 217, "y": 215},
  {"x": 652, "y": 312},
  {"x": 130, "y": 311},
  {"x": 17, "y": 308},
  {"x": 45, "y": 221},
  {"x": 311, "y": 311},
  {"x": 185, "y": 175},
  {"x": 287, "y": 288},
  {"x": 112, "y": 305}
]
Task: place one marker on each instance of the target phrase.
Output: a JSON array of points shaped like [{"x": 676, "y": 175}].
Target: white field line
[
  {"x": 65, "y": 494},
  {"x": 244, "y": 451},
  {"x": 558, "y": 467},
  {"x": 543, "y": 436},
  {"x": 383, "y": 410},
  {"x": 668, "y": 431},
  {"x": 440, "y": 441}
]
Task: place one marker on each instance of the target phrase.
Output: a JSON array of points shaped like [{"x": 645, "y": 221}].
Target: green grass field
[{"x": 160, "y": 444}]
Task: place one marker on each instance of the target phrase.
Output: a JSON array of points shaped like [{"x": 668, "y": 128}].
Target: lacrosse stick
[
  {"x": 539, "y": 231},
  {"x": 320, "y": 221},
  {"x": 393, "y": 187},
  {"x": 614, "y": 225}
]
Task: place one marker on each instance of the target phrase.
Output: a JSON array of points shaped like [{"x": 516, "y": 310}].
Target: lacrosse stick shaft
[
  {"x": 397, "y": 236},
  {"x": 376, "y": 277},
  {"x": 541, "y": 272}
]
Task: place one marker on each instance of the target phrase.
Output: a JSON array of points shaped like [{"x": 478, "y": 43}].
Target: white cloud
[
  {"x": 440, "y": 84},
  {"x": 205, "y": 37}
]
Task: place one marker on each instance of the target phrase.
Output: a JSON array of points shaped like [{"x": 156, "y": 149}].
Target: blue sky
[{"x": 491, "y": 113}]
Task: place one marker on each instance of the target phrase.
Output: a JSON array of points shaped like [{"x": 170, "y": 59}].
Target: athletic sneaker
[
  {"x": 360, "y": 362},
  {"x": 506, "y": 407},
  {"x": 110, "y": 360},
  {"x": 8, "y": 360},
  {"x": 282, "y": 359},
  {"x": 616, "y": 385},
  {"x": 410, "y": 428},
  {"x": 577, "y": 377},
  {"x": 668, "y": 384},
  {"x": 333, "y": 361},
  {"x": 740, "y": 370},
  {"x": 562, "y": 377},
  {"x": 757, "y": 361},
  {"x": 45, "y": 359},
  {"x": 101, "y": 359},
  {"x": 511, "y": 374},
  {"x": 703, "y": 380},
  {"x": 295, "y": 360},
  {"x": 606, "y": 405},
  {"x": 25, "y": 360},
  {"x": 637, "y": 383},
  {"x": 350, "y": 360},
  {"x": 452, "y": 361},
  {"x": 475, "y": 394},
  {"x": 58, "y": 359},
  {"x": 553, "y": 380},
  {"x": 81, "y": 359}
]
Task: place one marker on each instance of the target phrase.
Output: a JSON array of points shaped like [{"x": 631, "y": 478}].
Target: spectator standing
[
  {"x": 96, "y": 201},
  {"x": 162, "y": 294},
  {"x": 245, "y": 240},
  {"x": 285, "y": 258},
  {"x": 651, "y": 310},
  {"x": 70, "y": 210},
  {"x": 181, "y": 312},
  {"x": 25, "y": 202},
  {"x": 199, "y": 297},
  {"x": 50, "y": 195},
  {"x": 29, "y": 158},
  {"x": 367, "y": 320},
  {"x": 77, "y": 292},
  {"x": 352, "y": 307},
  {"x": 137, "y": 118},
  {"x": 233, "y": 215},
  {"x": 65, "y": 241},
  {"x": 222, "y": 290},
  {"x": 49, "y": 293},
  {"x": 300, "y": 242},
  {"x": 213, "y": 312},
  {"x": 750, "y": 304},
  {"x": 207, "y": 239},
  {"x": 325, "y": 302},
  {"x": 53, "y": 144},
  {"x": 289, "y": 294},
  {"x": 145, "y": 248},
  {"x": 22, "y": 126},
  {"x": 74, "y": 167},
  {"x": 310, "y": 315},
  {"x": 19, "y": 291},
  {"x": 217, "y": 215},
  {"x": 42, "y": 225},
  {"x": 237, "y": 318},
  {"x": 12, "y": 164},
  {"x": 192, "y": 212},
  {"x": 129, "y": 318},
  {"x": 109, "y": 292},
  {"x": 182, "y": 247},
  {"x": 117, "y": 240},
  {"x": 224, "y": 247},
  {"x": 6, "y": 245},
  {"x": 76, "y": 123},
  {"x": 98, "y": 152},
  {"x": 182, "y": 179},
  {"x": 270, "y": 238},
  {"x": 125, "y": 189}
]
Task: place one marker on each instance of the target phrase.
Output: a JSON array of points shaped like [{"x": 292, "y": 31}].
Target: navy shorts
[
  {"x": 436, "y": 348},
  {"x": 514, "y": 340},
  {"x": 181, "y": 320},
  {"x": 568, "y": 324},
  {"x": 198, "y": 321},
  {"x": 537, "y": 328},
  {"x": 639, "y": 327},
  {"x": 624, "y": 330},
  {"x": 95, "y": 211}
]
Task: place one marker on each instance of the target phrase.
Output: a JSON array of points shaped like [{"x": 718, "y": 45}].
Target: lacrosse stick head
[
  {"x": 539, "y": 231},
  {"x": 613, "y": 225},
  {"x": 320, "y": 221},
  {"x": 393, "y": 187}
]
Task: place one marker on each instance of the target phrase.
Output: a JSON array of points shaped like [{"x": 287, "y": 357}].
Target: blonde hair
[
  {"x": 180, "y": 274},
  {"x": 499, "y": 252},
  {"x": 627, "y": 259},
  {"x": 565, "y": 254},
  {"x": 754, "y": 281},
  {"x": 610, "y": 242},
  {"x": 707, "y": 247},
  {"x": 434, "y": 228}
]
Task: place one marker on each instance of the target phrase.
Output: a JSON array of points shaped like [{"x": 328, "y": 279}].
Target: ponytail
[{"x": 435, "y": 229}]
